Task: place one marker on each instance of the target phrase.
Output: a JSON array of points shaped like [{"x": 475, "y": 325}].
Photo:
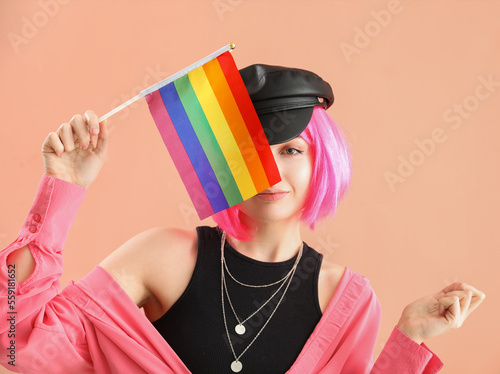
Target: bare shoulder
[
  {"x": 154, "y": 267},
  {"x": 330, "y": 276},
  {"x": 172, "y": 262}
]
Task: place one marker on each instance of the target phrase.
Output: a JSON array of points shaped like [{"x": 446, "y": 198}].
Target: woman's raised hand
[
  {"x": 77, "y": 150},
  {"x": 436, "y": 314}
]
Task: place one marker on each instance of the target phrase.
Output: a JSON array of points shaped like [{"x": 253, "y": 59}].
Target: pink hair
[{"x": 330, "y": 179}]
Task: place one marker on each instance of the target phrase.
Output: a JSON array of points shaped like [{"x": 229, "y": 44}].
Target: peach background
[{"x": 437, "y": 226}]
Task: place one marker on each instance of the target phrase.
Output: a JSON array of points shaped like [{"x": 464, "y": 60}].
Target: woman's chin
[{"x": 269, "y": 214}]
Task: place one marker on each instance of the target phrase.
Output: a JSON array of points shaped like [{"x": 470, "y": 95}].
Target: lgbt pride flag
[{"x": 213, "y": 135}]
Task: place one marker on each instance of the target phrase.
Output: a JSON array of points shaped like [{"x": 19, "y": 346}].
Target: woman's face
[{"x": 286, "y": 198}]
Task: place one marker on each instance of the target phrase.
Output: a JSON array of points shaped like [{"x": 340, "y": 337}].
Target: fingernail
[
  {"x": 85, "y": 146},
  {"x": 95, "y": 130}
]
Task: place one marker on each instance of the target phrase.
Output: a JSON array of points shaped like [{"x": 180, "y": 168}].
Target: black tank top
[{"x": 194, "y": 325}]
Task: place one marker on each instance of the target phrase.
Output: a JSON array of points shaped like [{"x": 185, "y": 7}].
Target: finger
[
  {"x": 451, "y": 306},
  {"x": 104, "y": 135},
  {"x": 476, "y": 300},
  {"x": 53, "y": 144},
  {"x": 460, "y": 286},
  {"x": 461, "y": 295},
  {"x": 65, "y": 133},
  {"x": 464, "y": 307},
  {"x": 468, "y": 287},
  {"x": 92, "y": 121},
  {"x": 477, "y": 296},
  {"x": 93, "y": 126},
  {"x": 80, "y": 129},
  {"x": 452, "y": 287}
]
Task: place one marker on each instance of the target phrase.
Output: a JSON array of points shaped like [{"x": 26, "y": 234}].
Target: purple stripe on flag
[
  {"x": 194, "y": 150},
  {"x": 178, "y": 154}
]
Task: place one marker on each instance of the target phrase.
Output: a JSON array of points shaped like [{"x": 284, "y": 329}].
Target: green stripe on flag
[{"x": 207, "y": 140}]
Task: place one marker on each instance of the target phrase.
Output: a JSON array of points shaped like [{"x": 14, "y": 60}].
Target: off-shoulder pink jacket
[{"x": 92, "y": 326}]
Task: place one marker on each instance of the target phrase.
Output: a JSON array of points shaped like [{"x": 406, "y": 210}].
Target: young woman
[{"x": 245, "y": 296}]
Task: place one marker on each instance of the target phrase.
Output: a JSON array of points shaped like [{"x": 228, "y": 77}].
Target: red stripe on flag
[{"x": 247, "y": 110}]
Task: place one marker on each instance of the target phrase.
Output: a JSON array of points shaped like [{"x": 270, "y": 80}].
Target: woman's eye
[{"x": 292, "y": 151}]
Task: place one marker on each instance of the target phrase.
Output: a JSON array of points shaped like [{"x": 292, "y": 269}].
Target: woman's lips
[{"x": 272, "y": 196}]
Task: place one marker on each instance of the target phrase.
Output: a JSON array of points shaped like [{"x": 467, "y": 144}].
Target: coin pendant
[
  {"x": 240, "y": 329},
  {"x": 236, "y": 366}
]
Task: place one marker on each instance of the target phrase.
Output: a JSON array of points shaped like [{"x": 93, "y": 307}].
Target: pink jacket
[{"x": 92, "y": 326}]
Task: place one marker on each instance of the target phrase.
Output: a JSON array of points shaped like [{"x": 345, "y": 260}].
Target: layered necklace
[{"x": 236, "y": 365}]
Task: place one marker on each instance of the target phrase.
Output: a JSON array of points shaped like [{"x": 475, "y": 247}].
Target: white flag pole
[{"x": 168, "y": 80}]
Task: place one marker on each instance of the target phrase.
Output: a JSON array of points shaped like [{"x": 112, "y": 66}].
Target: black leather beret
[{"x": 284, "y": 98}]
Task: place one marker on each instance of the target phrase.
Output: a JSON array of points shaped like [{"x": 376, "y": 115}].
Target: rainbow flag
[{"x": 213, "y": 135}]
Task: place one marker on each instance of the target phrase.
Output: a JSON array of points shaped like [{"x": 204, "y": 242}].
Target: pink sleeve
[
  {"x": 400, "y": 354},
  {"x": 37, "y": 325},
  {"x": 405, "y": 356},
  {"x": 351, "y": 350}
]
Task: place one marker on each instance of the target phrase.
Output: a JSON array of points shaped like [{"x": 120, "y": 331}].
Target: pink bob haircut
[{"x": 329, "y": 182}]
